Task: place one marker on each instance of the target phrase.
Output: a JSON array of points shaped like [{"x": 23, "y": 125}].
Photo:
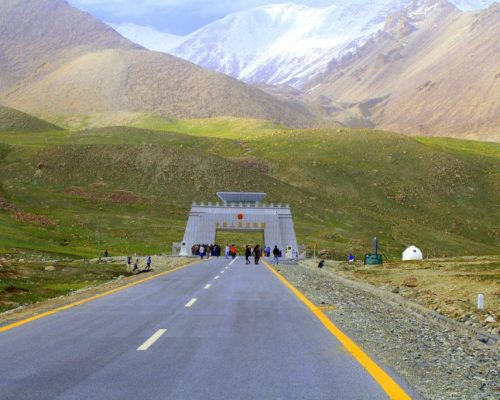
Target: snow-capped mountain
[
  {"x": 284, "y": 43},
  {"x": 290, "y": 43},
  {"x": 148, "y": 37}
]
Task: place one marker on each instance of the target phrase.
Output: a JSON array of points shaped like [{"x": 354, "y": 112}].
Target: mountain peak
[{"x": 292, "y": 44}]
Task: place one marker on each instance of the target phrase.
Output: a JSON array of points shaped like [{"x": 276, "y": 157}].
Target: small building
[{"x": 412, "y": 253}]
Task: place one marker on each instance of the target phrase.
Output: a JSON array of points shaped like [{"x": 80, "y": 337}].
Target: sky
[{"x": 178, "y": 17}]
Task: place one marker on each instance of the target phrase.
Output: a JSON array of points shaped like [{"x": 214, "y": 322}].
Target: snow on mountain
[
  {"x": 470, "y": 5},
  {"x": 284, "y": 43},
  {"x": 290, "y": 43},
  {"x": 148, "y": 37}
]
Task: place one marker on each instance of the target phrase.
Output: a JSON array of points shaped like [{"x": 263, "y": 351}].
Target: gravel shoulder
[{"x": 440, "y": 361}]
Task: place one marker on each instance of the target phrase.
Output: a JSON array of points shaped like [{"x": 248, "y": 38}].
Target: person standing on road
[
  {"x": 256, "y": 253},
  {"x": 202, "y": 251},
  {"x": 276, "y": 254},
  {"x": 248, "y": 253},
  {"x": 227, "y": 250},
  {"x": 233, "y": 251}
]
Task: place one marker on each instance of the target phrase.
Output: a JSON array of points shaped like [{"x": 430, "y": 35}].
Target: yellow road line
[
  {"x": 393, "y": 390},
  {"x": 83, "y": 301},
  {"x": 326, "y": 308}
]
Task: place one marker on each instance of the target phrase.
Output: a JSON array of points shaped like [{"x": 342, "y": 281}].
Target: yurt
[{"x": 412, "y": 253}]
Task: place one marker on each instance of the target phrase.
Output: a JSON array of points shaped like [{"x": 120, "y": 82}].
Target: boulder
[{"x": 411, "y": 281}]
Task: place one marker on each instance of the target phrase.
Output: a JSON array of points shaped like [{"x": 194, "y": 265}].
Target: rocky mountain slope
[
  {"x": 432, "y": 75},
  {"x": 289, "y": 43},
  {"x": 79, "y": 65}
]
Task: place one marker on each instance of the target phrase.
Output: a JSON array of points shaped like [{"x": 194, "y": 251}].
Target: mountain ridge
[
  {"x": 292, "y": 43},
  {"x": 424, "y": 81},
  {"x": 77, "y": 64}
]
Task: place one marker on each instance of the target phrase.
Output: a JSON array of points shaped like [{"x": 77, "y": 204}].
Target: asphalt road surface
[{"x": 208, "y": 331}]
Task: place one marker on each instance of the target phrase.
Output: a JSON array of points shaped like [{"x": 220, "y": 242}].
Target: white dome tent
[{"x": 412, "y": 253}]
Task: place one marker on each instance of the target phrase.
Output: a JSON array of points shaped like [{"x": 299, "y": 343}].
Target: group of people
[
  {"x": 231, "y": 251},
  {"x": 257, "y": 253},
  {"x": 135, "y": 267},
  {"x": 206, "y": 250}
]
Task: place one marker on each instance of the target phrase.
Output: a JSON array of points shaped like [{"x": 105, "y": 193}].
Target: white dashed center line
[
  {"x": 208, "y": 286},
  {"x": 232, "y": 262},
  {"x": 217, "y": 277},
  {"x": 148, "y": 343},
  {"x": 191, "y": 302}
]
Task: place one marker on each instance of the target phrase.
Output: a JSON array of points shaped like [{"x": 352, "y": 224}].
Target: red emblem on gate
[{"x": 240, "y": 216}]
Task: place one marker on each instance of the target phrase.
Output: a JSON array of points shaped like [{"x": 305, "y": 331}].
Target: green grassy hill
[
  {"x": 12, "y": 120},
  {"x": 133, "y": 187}
]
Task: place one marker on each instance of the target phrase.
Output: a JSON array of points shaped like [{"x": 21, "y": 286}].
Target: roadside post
[{"x": 480, "y": 301}]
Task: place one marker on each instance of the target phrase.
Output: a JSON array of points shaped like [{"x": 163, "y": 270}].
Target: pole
[{"x": 98, "y": 245}]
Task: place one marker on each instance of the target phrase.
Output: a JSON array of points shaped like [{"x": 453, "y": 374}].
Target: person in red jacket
[{"x": 233, "y": 251}]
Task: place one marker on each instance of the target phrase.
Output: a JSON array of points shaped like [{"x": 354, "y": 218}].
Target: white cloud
[
  {"x": 173, "y": 15},
  {"x": 148, "y": 37}
]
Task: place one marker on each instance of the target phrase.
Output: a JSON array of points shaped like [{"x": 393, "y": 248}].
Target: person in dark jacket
[
  {"x": 248, "y": 253},
  {"x": 257, "y": 253},
  {"x": 276, "y": 254}
]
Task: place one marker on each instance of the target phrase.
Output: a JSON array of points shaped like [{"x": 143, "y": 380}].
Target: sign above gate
[{"x": 241, "y": 197}]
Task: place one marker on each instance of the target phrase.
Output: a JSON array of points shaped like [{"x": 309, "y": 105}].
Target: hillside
[
  {"x": 79, "y": 65},
  {"x": 16, "y": 121},
  {"x": 37, "y": 36},
  {"x": 136, "y": 186},
  {"x": 437, "y": 75}
]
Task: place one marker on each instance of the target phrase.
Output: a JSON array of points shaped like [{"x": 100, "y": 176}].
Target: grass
[
  {"x": 22, "y": 283},
  {"x": 134, "y": 186},
  {"x": 16, "y": 121},
  {"x": 448, "y": 285}
]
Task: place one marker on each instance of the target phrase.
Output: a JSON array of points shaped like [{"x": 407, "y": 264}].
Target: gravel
[{"x": 440, "y": 362}]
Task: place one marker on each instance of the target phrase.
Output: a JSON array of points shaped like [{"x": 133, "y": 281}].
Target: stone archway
[{"x": 242, "y": 211}]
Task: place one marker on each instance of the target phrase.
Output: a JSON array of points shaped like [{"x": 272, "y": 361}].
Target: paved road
[{"x": 246, "y": 336}]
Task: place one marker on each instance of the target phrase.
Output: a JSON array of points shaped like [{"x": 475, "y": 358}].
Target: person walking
[
  {"x": 202, "y": 251},
  {"x": 248, "y": 253},
  {"x": 257, "y": 253},
  {"x": 148, "y": 263},
  {"x": 276, "y": 254},
  {"x": 233, "y": 251},
  {"x": 227, "y": 250}
]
